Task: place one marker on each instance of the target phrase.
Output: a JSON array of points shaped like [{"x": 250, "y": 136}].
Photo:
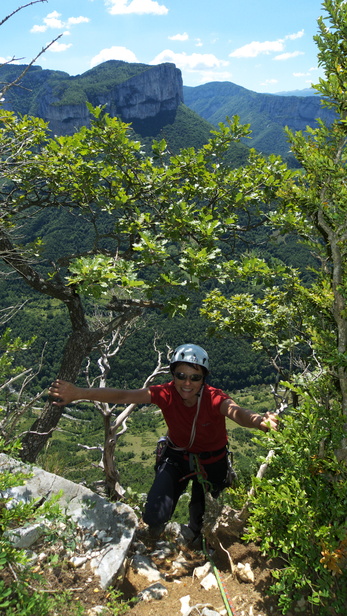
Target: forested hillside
[
  {"x": 235, "y": 364},
  {"x": 268, "y": 114}
]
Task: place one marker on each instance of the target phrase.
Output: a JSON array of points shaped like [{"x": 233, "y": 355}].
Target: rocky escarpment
[
  {"x": 150, "y": 96},
  {"x": 295, "y": 111}
]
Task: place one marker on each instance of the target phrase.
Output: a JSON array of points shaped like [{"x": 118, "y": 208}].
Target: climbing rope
[
  {"x": 202, "y": 478},
  {"x": 222, "y": 588}
]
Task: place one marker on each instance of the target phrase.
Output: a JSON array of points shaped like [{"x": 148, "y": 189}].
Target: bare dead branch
[
  {"x": 131, "y": 407},
  {"x": 6, "y": 314},
  {"x": 109, "y": 348},
  {"x": 20, "y": 8},
  {"x": 16, "y": 82},
  {"x": 91, "y": 448},
  {"x": 40, "y": 433},
  {"x": 281, "y": 400},
  {"x": 13, "y": 415},
  {"x": 15, "y": 378},
  {"x": 244, "y": 513}
]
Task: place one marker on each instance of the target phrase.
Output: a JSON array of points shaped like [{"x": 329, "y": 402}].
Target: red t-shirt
[{"x": 211, "y": 432}]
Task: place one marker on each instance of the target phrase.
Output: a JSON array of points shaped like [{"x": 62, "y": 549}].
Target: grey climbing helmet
[{"x": 190, "y": 354}]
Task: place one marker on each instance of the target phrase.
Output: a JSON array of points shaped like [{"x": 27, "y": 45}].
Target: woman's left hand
[{"x": 270, "y": 421}]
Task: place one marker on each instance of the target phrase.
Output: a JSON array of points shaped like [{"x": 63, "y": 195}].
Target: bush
[
  {"x": 299, "y": 510},
  {"x": 17, "y": 597}
]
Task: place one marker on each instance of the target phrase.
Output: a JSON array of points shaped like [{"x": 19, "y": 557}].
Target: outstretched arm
[
  {"x": 248, "y": 419},
  {"x": 64, "y": 392}
]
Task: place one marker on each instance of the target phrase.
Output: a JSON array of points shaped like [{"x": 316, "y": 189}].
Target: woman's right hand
[{"x": 63, "y": 392}]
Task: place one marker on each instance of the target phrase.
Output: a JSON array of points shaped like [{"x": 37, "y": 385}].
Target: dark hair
[{"x": 195, "y": 366}]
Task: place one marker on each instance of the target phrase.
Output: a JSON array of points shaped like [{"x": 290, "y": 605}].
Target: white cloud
[
  {"x": 59, "y": 47},
  {"x": 35, "y": 29},
  {"x": 307, "y": 74},
  {"x": 198, "y": 42},
  {"x": 179, "y": 37},
  {"x": 140, "y": 7},
  {"x": 193, "y": 61},
  {"x": 288, "y": 56},
  {"x": 254, "y": 49},
  {"x": 54, "y": 22},
  {"x": 113, "y": 53},
  {"x": 293, "y": 37},
  {"x": 72, "y": 21}
]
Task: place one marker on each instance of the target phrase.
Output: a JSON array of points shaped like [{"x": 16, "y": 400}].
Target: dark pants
[{"x": 172, "y": 477}]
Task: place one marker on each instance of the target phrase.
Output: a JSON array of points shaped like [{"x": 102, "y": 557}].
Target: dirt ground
[{"x": 245, "y": 599}]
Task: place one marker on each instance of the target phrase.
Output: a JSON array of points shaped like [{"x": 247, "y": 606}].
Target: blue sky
[{"x": 262, "y": 45}]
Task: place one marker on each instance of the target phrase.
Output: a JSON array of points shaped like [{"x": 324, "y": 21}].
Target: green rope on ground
[{"x": 226, "y": 599}]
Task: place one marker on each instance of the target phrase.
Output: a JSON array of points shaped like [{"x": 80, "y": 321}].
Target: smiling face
[{"x": 187, "y": 388}]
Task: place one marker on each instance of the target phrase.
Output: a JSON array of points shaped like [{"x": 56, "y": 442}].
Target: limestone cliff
[{"x": 132, "y": 92}]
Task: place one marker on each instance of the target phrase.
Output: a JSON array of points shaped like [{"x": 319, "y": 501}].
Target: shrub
[{"x": 299, "y": 510}]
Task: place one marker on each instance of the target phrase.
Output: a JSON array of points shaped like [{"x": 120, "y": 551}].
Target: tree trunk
[
  {"x": 79, "y": 345},
  {"x": 339, "y": 314}
]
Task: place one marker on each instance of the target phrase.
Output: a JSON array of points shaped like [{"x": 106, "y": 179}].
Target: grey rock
[
  {"x": 174, "y": 529},
  {"x": 208, "y": 612},
  {"x": 89, "y": 510},
  {"x": 78, "y": 561},
  {"x": 162, "y": 552},
  {"x": 156, "y": 591},
  {"x": 155, "y": 91},
  {"x": 144, "y": 566},
  {"x": 26, "y": 536}
]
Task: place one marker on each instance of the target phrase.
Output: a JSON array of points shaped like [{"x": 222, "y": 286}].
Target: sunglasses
[{"x": 181, "y": 376}]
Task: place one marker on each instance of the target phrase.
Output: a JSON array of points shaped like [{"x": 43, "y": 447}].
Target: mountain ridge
[
  {"x": 128, "y": 90},
  {"x": 148, "y": 97},
  {"x": 268, "y": 114}
]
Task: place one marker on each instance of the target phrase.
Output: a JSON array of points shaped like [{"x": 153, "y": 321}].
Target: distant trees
[{"x": 12, "y": 375}]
